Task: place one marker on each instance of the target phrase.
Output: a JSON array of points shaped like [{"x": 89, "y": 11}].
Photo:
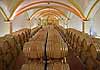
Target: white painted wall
[
  {"x": 75, "y": 23},
  {"x": 18, "y": 23},
  {"x": 21, "y": 22},
  {"x": 4, "y": 27},
  {"x": 97, "y": 22}
]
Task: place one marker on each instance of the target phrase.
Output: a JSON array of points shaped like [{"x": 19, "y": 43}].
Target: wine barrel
[
  {"x": 83, "y": 54},
  {"x": 74, "y": 46},
  {"x": 91, "y": 59},
  {"x": 58, "y": 66},
  {"x": 33, "y": 66},
  {"x": 13, "y": 45},
  {"x": 6, "y": 52},
  {"x": 34, "y": 30},
  {"x": 93, "y": 51},
  {"x": 34, "y": 49},
  {"x": 75, "y": 38},
  {"x": 28, "y": 33},
  {"x": 78, "y": 41},
  {"x": 84, "y": 45},
  {"x": 90, "y": 64},
  {"x": 78, "y": 45},
  {"x": 83, "y": 57},
  {"x": 56, "y": 50},
  {"x": 42, "y": 35},
  {"x": 67, "y": 34},
  {"x": 18, "y": 41},
  {"x": 23, "y": 37},
  {"x": 26, "y": 36},
  {"x": 98, "y": 56},
  {"x": 2, "y": 64},
  {"x": 69, "y": 40},
  {"x": 70, "y": 33}
]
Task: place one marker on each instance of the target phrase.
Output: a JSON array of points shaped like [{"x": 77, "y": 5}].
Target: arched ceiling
[
  {"x": 44, "y": 10},
  {"x": 81, "y": 8},
  {"x": 46, "y": 15},
  {"x": 51, "y": 3},
  {"x": 48, "y": 12}
]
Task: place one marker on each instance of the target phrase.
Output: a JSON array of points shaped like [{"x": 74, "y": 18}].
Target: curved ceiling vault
[
  {"x": 35, "y": 7},
  {"x": 56, "y": 11},
  {"x": 20, "y": 6},
  {"x": 42, "y": 14},
  {"x": 47, "y": 12},
  {"x": 67, "y": 7},
  {"x": 39, "y": 10},
  {"x": 43, "y": 7}
]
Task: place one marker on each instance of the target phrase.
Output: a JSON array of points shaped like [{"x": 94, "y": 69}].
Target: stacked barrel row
[
  {"x": 61, "y": 30},
  {"x": 83, "y": 47},
  {"x": 10, "y": 47},
  {"x": 34, "y": 51},
  {"x": 56, "y": 51},
  {"x": 22, "y": 36},
  {"x": 34, "y": 30},
  {"x": 35, "y": 47},
  {"x": 97, "y": 44},
  {"x": 56, "y": 48},
  {"x": 46, "y": 50},
  {"x": 33, "y": 66},
  {"x": 40, "y": 66},
  {"x": 58, "y": 66}
]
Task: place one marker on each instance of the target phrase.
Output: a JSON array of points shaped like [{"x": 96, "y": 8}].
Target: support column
[
  {"x": 87, "y": 26},
  {"x": 92, "y": 30},
  {"x": 83, "y": 27},
  {"x": 11, "y": 29},
  {"x": 10, "y": 26}
]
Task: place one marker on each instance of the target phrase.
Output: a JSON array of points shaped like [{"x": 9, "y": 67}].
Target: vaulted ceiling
[{"x": 81, "y": 8}]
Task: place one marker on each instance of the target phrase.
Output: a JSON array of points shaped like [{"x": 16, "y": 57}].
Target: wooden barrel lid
[
  {"x": 93, "y": 51},
  {"x": 5, "y": 46},
  {"x": 23, "y": 36},
  {"x": 13, "y": 44},
  {"x": 84, "y": 45},
  {"x": 11, "y": 39}
]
